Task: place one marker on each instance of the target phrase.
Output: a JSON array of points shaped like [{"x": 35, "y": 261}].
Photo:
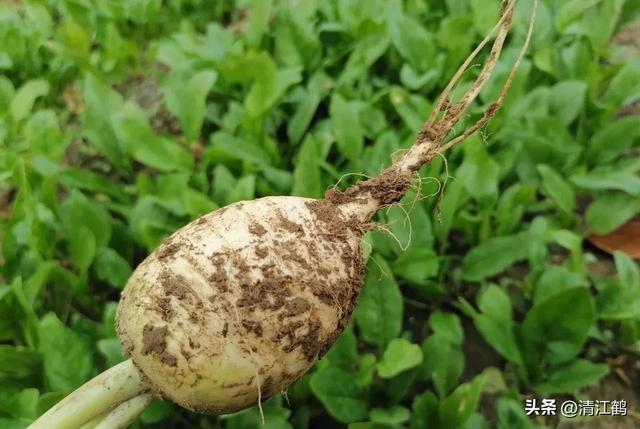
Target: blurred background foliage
[{"x": 122, "y": 121}]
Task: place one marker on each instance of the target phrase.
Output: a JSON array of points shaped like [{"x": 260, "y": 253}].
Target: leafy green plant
[{"x": 122, "y": 121}]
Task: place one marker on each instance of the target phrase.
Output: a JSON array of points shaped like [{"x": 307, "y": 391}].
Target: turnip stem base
[
  {"x": 122, "y": 415},
  {"x": 107, "y": 391}
]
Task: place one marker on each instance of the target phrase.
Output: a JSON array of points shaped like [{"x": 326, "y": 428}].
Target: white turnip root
[{"x": 238, "y": 304}]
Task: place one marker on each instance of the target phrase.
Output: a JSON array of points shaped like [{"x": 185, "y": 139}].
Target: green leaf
[
  {"x": 485, "y": 15},
  {"x": 269, "y": 85},
  {"x": 48, "y": 400},
  {"x": 399, "y": 356},
  {"x": 412, "y": 80},
  {"x": 346, "y": 126},
  {"x": 258, "y": 22},
  {"x": 379, "y": 312},
  {"x": 101, "y": 102},
  {"x": 511, "y": 415},
  {"x": 111, "y": 349},
  {"x": 157, "y": 411},
  {"x": 447, "y": 324},
  {"x": 567, "y": 100},
  {"x": 244, "y": 190},
  {"x": 19, "y": 365},
  {"x": 494, "y": 255},
  {"x": 42, "y": 134},
  {"x": 306, "y": 174},
  {"x": 390, "y": 416},
  {"x": 275, "y": 417},
  {"x": 8, "y": 423},
  {"x": 628, "y": 270},
  {"x": 367, "y": 50},
  {"x": 111, "y": 267},
  {"x": 425, "y": 411},
  {"x": 416, "y": 265},
  {"x": 339, "y": 393},
  {"x": 38, "y": 280},
  {"x": 613, "y": 139},
  {"x": 610, "y": 211},
  {"x": 344, "y": 353},
  {"x": 495, "y": 323},
  {"x": 572, "y": 377},
  {"x": 411, "y": 229},
  {"x": 545, "y": 140},
  {"x": 555, "y": 280},
  {"x": 7, "y": 92},
  {"x": 82, "y": 247},
  {"x": 411, "y": 39},
  {"x": 511, "y": 206},
  {"x": 442, "y": 352},
  {"x": 296, "y": 38},
  {"x": 83, "y": 179},
  {"x": 626, "y": 82},
  {"x": 75, "y": 39},
  {"x": 609, "y": 179},
  {"x": 616, "y": 302},
  {"x": 479, "y": 173},
  {"x": 186, "y": 98},
  {"x": 412, "y": 109},
  {"x": 400, "y": 386},
  {"x": 149, "y": 222},
  {"x": 601, "y": 23},
  {"x": 366, "y": 370},
  {"x": 557, "y": 327},
  {"x": 558, "y": 189},
  {"x": 458, "y": 407},
  {"x": 21, "y": 405},
  {"x": 59, "y": 346},
  {"x": 225, "y": 147},
  {"x": 135, "y": 133},
  {"x": 223, "y": 182},
  {"x": 571, "y": 11},
  {"x": 78, "y": 211},
  {"x": 26, "y": 96},
  {"x": 299, "y": 123},
  {"x": 453, "y": 200},
  {"x": 619, "y": 298}
]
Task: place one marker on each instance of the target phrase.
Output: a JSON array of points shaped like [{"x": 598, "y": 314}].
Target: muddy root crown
[{"x": 364, "y": 198}]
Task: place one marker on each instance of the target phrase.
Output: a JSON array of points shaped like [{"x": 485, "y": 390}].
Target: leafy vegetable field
[{"x": 509, "y": 273}]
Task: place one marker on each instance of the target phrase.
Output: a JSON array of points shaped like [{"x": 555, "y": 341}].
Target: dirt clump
[
  {"x": 261, "y": 252},
  {"x": 219, "y": 278},
  {"x": 387, "y": 188},
  {"x": 163, "y": 306},
  {"x": 267, "y": 294},
  {"x": 257, "y": 229},
  {"x": 311, "y": 343},
  {"x": 175, "y": 285},
  {"x": 253, "y": 326},
  {"x": 295, "y": 307},
  {"x": 289, "y": 225},
  {"x": 332, "y": 226},
  {"x": 168, "y": 248},
  {"x": 154, "y": 341}
]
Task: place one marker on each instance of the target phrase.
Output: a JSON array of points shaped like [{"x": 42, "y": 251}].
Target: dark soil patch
[{"x": 154, "y": 341}]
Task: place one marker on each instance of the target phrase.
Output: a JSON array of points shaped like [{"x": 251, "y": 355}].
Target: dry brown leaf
[{"x": 625, "y": 239}]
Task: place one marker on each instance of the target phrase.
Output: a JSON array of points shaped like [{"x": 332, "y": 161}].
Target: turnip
[{"x": 238, "y": 304}]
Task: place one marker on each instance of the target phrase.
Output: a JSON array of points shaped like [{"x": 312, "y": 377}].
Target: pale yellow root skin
[{"x": 213, "y": 351}]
